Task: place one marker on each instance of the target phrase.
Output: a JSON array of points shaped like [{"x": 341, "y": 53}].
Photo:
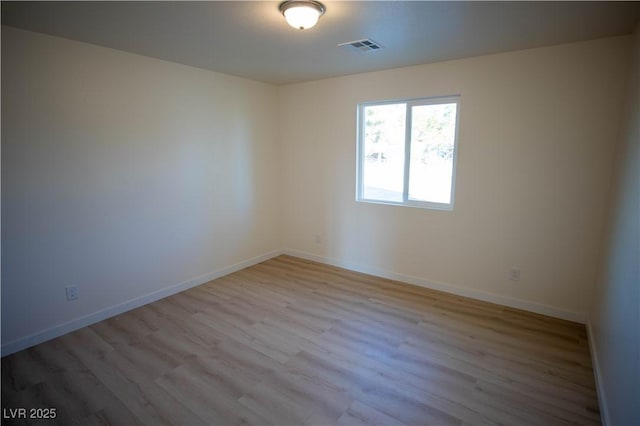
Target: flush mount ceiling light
[{"x": 302, "y": 14}]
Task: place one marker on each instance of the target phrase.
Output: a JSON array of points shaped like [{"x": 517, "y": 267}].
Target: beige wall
[
  {"x": 132, "y": 177},
  {"x": 125, "y": 175},
  {"x": 535, "y": 159},
  {"x": 615, "y": 315}
]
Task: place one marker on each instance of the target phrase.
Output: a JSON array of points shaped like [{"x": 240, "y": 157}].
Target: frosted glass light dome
[{"x": 302, "y": 14}]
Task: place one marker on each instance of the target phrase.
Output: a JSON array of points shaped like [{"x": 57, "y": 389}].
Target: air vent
[{"x": 364, "y": 45}]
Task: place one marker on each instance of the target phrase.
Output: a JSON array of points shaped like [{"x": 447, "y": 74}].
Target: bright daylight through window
[{"x": 407, "y": 152}]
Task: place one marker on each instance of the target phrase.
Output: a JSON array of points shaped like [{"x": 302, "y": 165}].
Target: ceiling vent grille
[{"x": 364, "y": 45}]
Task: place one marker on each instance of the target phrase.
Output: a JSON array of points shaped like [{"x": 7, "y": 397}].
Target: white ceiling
[{"x": 251, "y": 39}]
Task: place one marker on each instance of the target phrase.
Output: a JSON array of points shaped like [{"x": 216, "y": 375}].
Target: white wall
[
  {"x": 132, "y": 177},
  {"x": 125, "y": 175},
  {"x": 534, "y": 167},
  {"x": 615, "y": 317}
]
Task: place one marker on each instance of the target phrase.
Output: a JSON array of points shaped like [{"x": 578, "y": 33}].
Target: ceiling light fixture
[{"x": 302, "y": 14}]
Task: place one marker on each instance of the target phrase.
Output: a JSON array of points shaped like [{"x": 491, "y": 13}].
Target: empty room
[{"x": 320, "y": 213}]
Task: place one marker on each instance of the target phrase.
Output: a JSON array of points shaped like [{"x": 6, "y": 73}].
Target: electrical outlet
[
  {"x": 514, "y": 274},
  {"x": 72, "y": 292}
]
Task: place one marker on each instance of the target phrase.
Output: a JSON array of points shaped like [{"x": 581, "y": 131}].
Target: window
[{"x": 407, "y": 152}]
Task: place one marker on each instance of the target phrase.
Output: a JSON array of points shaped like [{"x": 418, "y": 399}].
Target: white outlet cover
[
  {"x": 71, "y": 292},
  {"x": 514, "y": 274}
]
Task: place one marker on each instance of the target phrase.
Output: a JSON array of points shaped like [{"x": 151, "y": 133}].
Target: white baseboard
[
  {"x": 448, "y": 288},
  {"x": 75, "y": 324},
  {"x": 60, "y": 329},
  {"x": 602, "y": 397}
]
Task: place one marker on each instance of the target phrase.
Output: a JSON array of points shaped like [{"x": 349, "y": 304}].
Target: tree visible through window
[{"x": 407, "y": 152}]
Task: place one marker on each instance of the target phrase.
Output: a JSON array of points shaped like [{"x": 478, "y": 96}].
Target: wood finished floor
[{"x": 292, "y": 342}]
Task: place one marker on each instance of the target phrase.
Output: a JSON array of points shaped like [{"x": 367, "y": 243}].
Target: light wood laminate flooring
[{"x": 293, "y": 342}]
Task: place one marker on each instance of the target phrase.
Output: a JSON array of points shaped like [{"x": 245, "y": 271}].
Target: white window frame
[{"x": 407, "y": 151}]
